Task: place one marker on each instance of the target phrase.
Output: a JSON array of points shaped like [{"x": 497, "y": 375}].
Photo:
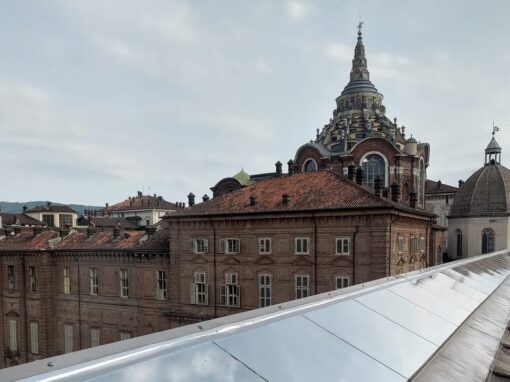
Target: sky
[{"x": 99, "y": 99}]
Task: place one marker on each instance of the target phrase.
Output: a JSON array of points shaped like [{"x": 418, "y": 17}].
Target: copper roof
[
  {"x": 306, "y": 191},
  {"x": 432, "y": 187},
  {"x": 142, "y": 202}
]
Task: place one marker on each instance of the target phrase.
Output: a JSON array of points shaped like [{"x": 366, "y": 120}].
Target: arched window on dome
[
  {"x": 458, "y": 247},
  {"x": 374, "y": 166},
  {"x": 488, "y": 241},
  {"x": 310, "y": 165}
]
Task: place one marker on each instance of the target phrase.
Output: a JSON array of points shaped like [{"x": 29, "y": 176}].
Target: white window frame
[
  {"x": 95, "y": 337},
  {"x": 298, "y": 245},
  {"x": 230, "y": 245},
  {"x": 265, "y": 289},
  {"x": 343, "y": 240},
  {"x": 34, "y": 337},
  {"x": 302, "y": 290},
  {"x": 68, "y": 338},
  {"x": 230, "y": 292},
  {"x": 422, "y": 244},
  {"x": 265, "y": 245},
  {"x": 161, "y": 284},
  {"x": 67, "y": 280},
  {"x": 199, "y": 290},
  {"x": 94, "y": 282},
  {"x": 344, "y": 282},
  {"x": 124, "y": 282},
  {"x": 400, "y": 244},
  {"x": 13, "y": 335},
  {"x": 32, "y": 281},
  {"x": 199, "y": 245}
]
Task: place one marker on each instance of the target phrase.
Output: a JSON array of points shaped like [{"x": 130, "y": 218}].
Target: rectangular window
[
  {"x": 265, "y": 291},
  {"x": 413, "y": 244},
  {"x": 67, "y": 280},
  {"x": 65, "y": 220},
  {"x": 264, "y": 246},
  {"x": 343, "y": 246},
  {"x": 199, "y": 289},
  {"x": 125, "y": 336},
  {"x": 161, "y": 285},
  {"x": 13, "y": 335},
  {"x": 95, "y": 337},
  {"x": 10, "y": 278},
  {"x": 341, "y": 282},
  {"x": 302, "y": 246},
  {"x": 400, "y": 244},
  {"x": 68, "y": 338},
  {"x": 422, "y": 244},
  {"x": 302, "y": 286},
  {"x": 34, "y": 337},
  {"x": 94, "y": 282},
  {"x": 199, "y": 245},
  {"x": 230, "y": 246},
  {"x": 32, "y": 285},
  {"x": 48, "y": 220},
  {"x": 124, "y": 283},
  {"x": 230, "y": 292}
]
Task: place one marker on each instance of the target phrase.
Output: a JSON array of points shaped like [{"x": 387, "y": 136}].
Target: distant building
[
  {"x": 54, "y": 215},
  {"x": 479, "y": 220},
  {"x": 104, "y": 222},
  {"x": 290, "y": 237},
  {"x": 439, "y": 198},
  {"x": 141, "y": 210},
  {"x": 18, "y": 220}
]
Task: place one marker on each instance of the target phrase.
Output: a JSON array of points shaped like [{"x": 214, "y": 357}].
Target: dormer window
[{"x": 310, "y": 165}]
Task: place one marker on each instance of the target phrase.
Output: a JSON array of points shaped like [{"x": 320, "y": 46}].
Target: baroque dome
[{"x": 485, "y": 193}]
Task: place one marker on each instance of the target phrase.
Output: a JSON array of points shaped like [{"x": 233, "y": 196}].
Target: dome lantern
[{"x": 493, "y": 150}]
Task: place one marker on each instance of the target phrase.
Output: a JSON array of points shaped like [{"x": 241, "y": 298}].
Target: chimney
[
  {"x": 63, "y": 232},
  {"x": 278, "y": 166},
  {"x": 91, "y": 230},
  {"x": 461, "y": 182},
  {"x": 395, "y": 192},
  {"x": 25, "y": 208},
  {"x": 253, "y": 200},
  {"x": 413, "y": 198},
  {"x": 290, "y": 163},
  {"x": 116, "y": 231},
  {"x": 48, "y": 204},
  {"x": 37, "y": 230},
  {"x": 106, "y": 205},
  {"x": 139, "y": 194},
  {"x": 285, "y": 199},
  {"x": 191, "y": 199},
  {"x": 359, "y": 175},
  {"x": 385, "y": 192},
  {"x": 378, "y": 186},
  {"x": 351, "y": 171},
  {"x": 205, "y": 198},
  {"x": 439, "y": 184}
]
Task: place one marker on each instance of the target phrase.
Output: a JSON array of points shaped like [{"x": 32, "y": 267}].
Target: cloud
[
  {"x": 298, "y": 10},
  {"x": 339, "y": 52}
]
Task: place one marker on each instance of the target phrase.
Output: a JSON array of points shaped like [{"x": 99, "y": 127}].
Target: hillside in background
[{"x": 17, "y": 207}]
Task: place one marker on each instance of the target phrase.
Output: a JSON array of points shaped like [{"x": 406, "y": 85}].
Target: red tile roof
[
  {"x": 142, "y": 202},
  {"x": 438, "y": 187},
  {"x": 323, "y": 190},
  {"x": 27, "y": 241}
]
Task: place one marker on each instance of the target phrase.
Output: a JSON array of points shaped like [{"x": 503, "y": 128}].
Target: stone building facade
[
  {"x": 66, "y": 291},
  {"x": 290, "y": 237}
]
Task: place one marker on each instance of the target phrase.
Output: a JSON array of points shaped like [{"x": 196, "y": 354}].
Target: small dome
[
  {"x": 243, "y": 178},
  {"x": 411, "y": 140},
  {"x": 485, "y": 193}
]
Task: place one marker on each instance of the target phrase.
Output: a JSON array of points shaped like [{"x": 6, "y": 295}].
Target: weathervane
[{"x": 494, "y": 128}]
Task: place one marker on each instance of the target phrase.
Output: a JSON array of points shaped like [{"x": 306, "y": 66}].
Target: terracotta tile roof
[
  {"x": 438, "y": 187},
  {"x": 306, "y": 191},
  {"x": 49, "y": 239},
  {"x": 10, "y": 219},
  {"x": 52, "y": 208},
  {"x": 142, "y": 202}
]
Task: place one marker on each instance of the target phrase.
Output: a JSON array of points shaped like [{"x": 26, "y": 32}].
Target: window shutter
[
  {"x": 206, "y": 245},
  {"x": 237, "y": 248},
  {"x": 346, "y": 282},
  {"x": 223, "y": 295},
  {"x": 192, "y": 293},
  {"x": 206, "y": 302},
  {"x": 238, "y": 289},
  {"x": 222, "y": 245},
  {"x": 191, "y": 246}
]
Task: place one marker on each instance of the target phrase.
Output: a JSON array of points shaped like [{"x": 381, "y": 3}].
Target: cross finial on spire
[
  {"x": 360, "y": 26},
  {"x": 494, "y": 128}
]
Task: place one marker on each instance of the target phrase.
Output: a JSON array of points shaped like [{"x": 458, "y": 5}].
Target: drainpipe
[
  {"x": 354, "y": 255},
  {"x": 25, "y": 314},
  {"x": 389, "y": 254},
  {"x": 214, "y": 268}
]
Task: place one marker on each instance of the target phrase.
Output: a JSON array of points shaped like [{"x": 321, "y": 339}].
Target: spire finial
[
  {"x": 360, "y": 26},
  {"x": 494, "y": 128}
]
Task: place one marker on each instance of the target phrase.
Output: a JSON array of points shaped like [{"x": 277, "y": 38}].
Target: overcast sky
[{"x": 101, "y": 98}]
